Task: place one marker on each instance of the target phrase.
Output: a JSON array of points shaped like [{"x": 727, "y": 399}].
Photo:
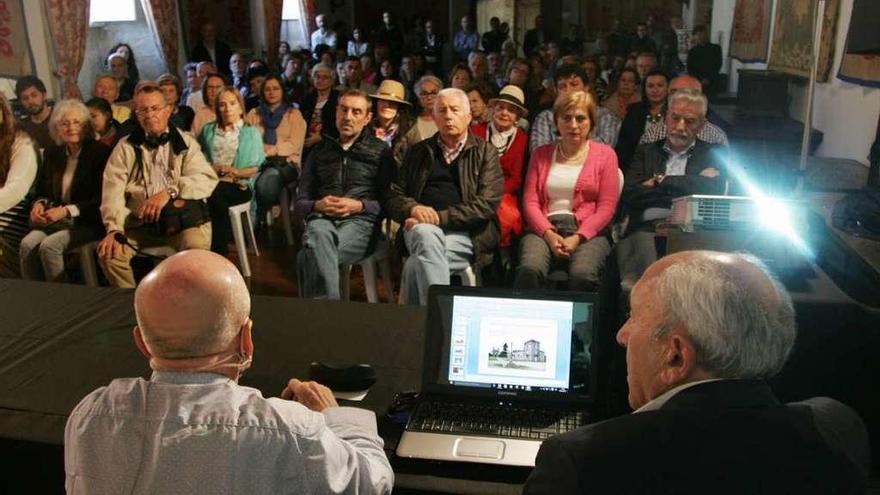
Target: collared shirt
[
  {"x": 161, "y": 175},
  {"x": 676, "y": 163},
  {"x": 204, "y": 433},
  {"x": 710, "y": 133},
  {"x": 450, "y": 154},
  {"x": 323, "y": 37},
  {"x": 659, "y": 401},
  {"x": 544, "y": 129}
]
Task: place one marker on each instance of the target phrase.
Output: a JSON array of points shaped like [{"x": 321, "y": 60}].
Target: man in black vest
[
  {"x": 340, "y": 191},
  {"x": 706, "y": 330}
]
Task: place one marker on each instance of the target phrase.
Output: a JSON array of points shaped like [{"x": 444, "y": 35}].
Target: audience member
[
  {"x": 645, "y": 63},
  {"x": 618, "y": 41},
  {"x": 408, "y": 76},
  {"x": 479, "y": 94},
  {"x": 65, "y": 214},
  {"x": 594, "y": 76},
  {"x": 460, "y": 77},
  {"x": 210, "y": 49},
  {"x": 466, "y": 40},
  {"x": 118, "y": 67},
  {"x": 238, "y": 70},
  {"x": 193, "y": 81},
  {"x": 323, "y": 35},
  {"x": 211, "y": 87},
  {"x": 427, "y": 88},
  {"x": 342, "y": 207},
  {"x": 284, "y": 130},
  {"x": 650, "y": 109},
  {"x": 235, "y": 151},
  {"x": 181, "y": 115},
  {"x": 570, "y": 79},
  {"x": 105, "y": 128},
  {"x": 656, "y": 130},
  {"x": 683, "y": 40},
  {"x": 512, "y": 144},
  {"x": 432, "y": 47},
  {"x": 390, "y": 35},
  {"x": 195, "y": 100},
  {"x": 319, "y": 105},
  {"x": 707, "y": 331},
  {"x": 573, "y": 42},
  {"x": 493, "y": 38},
  {"x": 107, "y": 87},
  {"x": 368, "y": 68},
  {"x": 445, "y": 197},
  {"x": 478, "y": 65},
  {"x": 535, "y": 38},
  {"x": 704, "y": 59},
  {"x": 18, "y": 170},
  {"x": 125, "y": 50},
  {"x": 680, "y": 165},
  {"x": 255, "y": 76},
  {"x": 625, "y": 94},
  {"x": 354, "y": 76},
  {"x": 283, "y": 53},
  {"x": 642, "y": 42},
  {"x": 392, "y": 118},
  {"x": 31, "y": 93},
  {"x": 294, "y": 79},
  {"x": 192, "y": 428},
  {"x": 569, "y": 199},
  {"x": 358, "y": 46},
  {"x": 148, "y": 169},
  {"x": 494, "y": 68}
]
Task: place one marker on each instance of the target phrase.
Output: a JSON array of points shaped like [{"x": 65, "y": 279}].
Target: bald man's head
[
  {"x": 193, "y": 304},
  {"x": 685, "y": 82}
]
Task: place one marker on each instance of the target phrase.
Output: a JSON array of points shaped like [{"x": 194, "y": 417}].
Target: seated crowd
[{"x": 506, "y": 167}]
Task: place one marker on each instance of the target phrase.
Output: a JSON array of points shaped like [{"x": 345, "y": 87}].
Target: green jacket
[{"x": 250, "y": 147}]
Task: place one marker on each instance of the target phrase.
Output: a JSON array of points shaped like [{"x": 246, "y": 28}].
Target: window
[
  {"x": 112, "y": 11},
  {"x": 290, "y": 10}
]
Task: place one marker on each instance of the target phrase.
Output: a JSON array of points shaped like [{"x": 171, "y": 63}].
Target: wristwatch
[{"x": 172, "y": 193}]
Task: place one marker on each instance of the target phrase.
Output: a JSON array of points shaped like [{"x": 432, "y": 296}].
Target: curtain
[
  {"x": 307, "y": 19},
  {"x": 272, "y": 18},
  {"x": 69, "y": 22},
  {"x": 162, "y": 19}
]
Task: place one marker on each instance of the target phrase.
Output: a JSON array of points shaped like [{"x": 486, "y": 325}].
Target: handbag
[{"x": 181, "y": 214}]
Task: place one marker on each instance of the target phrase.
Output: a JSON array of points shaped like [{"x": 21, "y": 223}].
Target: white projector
[{"x": 705, "y": 212}]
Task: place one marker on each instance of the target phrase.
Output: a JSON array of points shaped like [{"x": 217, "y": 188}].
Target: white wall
[{"x": 846, "y": 113}]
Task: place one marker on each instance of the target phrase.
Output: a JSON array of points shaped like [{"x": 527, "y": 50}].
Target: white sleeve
[{"x": 22, "y": 172}]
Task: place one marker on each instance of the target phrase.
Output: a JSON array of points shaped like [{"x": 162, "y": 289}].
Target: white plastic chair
[
  {"x": 236, "y": 213},
  {"x": 382, "y": 256},
  {"x": 286, "y": 223}
]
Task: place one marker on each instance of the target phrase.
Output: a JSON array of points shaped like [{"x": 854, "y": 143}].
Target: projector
[{"x": 706, "y": 212}]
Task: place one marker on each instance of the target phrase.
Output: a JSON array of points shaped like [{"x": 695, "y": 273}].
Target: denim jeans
[
  {"x": 327, "y": 243},
  {"x": 433, "y": 253},
  {"x": 268, "y": 185},
  {"x": 42, "y": 250}
]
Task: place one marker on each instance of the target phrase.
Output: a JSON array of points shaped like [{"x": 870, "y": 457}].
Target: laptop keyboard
[{"x": 492, "y": 420}]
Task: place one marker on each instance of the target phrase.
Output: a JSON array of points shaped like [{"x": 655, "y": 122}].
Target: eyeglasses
[{"x": 146, "y": 111}]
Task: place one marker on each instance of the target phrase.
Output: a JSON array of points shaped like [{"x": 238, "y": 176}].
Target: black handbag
[{"x": 181, "y": 214}]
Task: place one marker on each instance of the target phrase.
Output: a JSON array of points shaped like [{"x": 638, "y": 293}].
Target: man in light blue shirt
[
  {"x": 466, "y": 40},
  {"x": 191, "y": 428}
]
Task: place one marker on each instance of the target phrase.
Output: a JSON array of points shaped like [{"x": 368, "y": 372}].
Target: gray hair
[
  {"x": 736, "y": 331},
  {"x": 325, "y": 67},
  {"x": 67, "y": 107},
  {"x": 475, "y": 54},
  {"x": 455, "y": 93},
  {"x": 690, "y": 97},
  {"x": 417, "y": 87}
]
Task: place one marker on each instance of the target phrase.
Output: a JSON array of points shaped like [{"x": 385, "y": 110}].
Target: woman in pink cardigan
[{"x": 569, "y": 198}]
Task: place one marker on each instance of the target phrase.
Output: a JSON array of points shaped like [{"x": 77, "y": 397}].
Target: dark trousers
[{"x": 226, "y": 194}]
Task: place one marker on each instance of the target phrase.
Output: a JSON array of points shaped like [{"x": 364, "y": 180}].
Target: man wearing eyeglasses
[
  {"x": 156, "y": 165},
  {"x": 679, "y": 165}
]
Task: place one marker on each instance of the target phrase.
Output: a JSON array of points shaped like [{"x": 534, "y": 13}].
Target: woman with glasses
[
  {"x": 65, "y": 214},
  {"x": 319, "y": 105}
]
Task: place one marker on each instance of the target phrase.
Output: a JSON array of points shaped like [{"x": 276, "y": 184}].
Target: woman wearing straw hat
[
  {"x": 392, "y": 118},
  {"x": 571, "y": 192},
  {"x": 512, "y": 145}
]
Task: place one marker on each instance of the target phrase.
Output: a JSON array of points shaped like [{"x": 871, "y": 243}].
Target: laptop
[{"x": 503, "y": 370}]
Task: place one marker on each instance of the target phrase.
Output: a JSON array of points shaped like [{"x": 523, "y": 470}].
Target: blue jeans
[
  {"x": 433, "y": 253},
  {"x": 268, "y": 185},
  {"x": 327, "y": 243}
]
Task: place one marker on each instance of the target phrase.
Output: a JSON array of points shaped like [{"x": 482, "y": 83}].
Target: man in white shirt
[
  {"x": 323, "y": 35},
  {"x": 191, "y": 428},
  {"x": 195, "y": 99}
]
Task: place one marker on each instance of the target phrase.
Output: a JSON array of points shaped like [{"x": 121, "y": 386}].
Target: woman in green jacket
[{"x": 235, "y": 150}]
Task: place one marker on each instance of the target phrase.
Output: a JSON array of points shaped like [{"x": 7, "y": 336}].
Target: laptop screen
[{"x": 538, "y": 344}]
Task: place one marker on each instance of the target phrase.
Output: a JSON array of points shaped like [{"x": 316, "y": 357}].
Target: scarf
[
  {"x": 271, "y": 121},
  {"x": 501, "y": 140}
]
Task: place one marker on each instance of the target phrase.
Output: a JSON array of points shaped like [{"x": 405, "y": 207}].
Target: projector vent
[{"x": 713, "y": 213}]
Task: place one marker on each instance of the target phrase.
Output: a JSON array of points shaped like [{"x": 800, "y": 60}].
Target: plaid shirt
[
  {"x": 450, "y": 154},
  {"x": 544, "y": 129},
  {"x": 711, "y": 133}
]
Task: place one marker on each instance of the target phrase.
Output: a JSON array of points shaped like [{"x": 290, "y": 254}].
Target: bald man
[
  {"x": 710, "y": 133},
  {"x": 191, "y": 428},
  {"x": 706, "y": 330}
]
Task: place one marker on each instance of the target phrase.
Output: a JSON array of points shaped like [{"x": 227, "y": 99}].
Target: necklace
[{"x": 579, "y": 156}]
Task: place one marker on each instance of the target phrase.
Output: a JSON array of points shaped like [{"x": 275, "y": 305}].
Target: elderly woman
[
  {"x": 181, "y": 115},
  {"x": 512, "y": 145},
  {"x": 18, "y": 168},
  {"x": 569, "y": 199},
  {"x": 105, "y": 128},
  {"x": 391, "y": 119},
  {"x": 235, "y": 150},
  {"x": 426, "y": 90},
  {"x": 65, "y": 214},
  {"x": 211, "y": 86},
  {"x": 625, "y": 94},
  {"x": 655, "y": 88},
  {"x": 479, "y": 94},
  {"x": 284, "y": 131},
  {"x": 318, "y": 106}
]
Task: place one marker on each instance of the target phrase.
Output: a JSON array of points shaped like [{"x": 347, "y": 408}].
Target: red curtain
[
  {"x": 69, "y": 22},
  {"x": 272, "y": 16},
  {"x": 162, "y": 17},
  {"x": 307, "y": 16}
]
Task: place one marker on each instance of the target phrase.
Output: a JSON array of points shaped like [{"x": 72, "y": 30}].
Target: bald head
[
  {"x": 193, "y": 304},
  {"x": 685, "y": 82}
]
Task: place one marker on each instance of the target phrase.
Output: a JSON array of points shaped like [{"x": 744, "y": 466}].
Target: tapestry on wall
[
  {"x": 751, "y": 30},
  {"x": 861, "y": 58},
  {"x": 15, "y": 52},
  {"x": 792, "y": 47},
  {"x": 232, "y": 18}
]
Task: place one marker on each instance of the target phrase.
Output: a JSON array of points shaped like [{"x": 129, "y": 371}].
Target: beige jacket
[
  {"x": 291, "y": 133},
  {"x": 124, "y": 191}
]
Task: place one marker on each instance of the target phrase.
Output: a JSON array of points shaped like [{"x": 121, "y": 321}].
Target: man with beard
[
  {"x": 31, "y": 93},
  {"x": 679, "y": 165}
]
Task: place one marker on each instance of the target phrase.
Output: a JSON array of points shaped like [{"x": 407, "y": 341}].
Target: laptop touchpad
[{"x": 476, "y": 447}]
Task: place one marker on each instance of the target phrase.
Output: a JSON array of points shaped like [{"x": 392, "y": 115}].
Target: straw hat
[
  {"x": 513, "y": 95},
  {"x": 391, "y": 90}
]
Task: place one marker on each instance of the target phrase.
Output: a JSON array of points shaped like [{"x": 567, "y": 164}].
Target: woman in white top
[
  {"x": 358, "y": 46},
  {"x": 18, "y": 169},
  {"x": 65, "y": 214}
]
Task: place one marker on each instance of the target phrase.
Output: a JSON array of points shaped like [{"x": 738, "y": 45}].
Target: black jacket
[
  {"x": 328, "y": 113},
  {"x": 631, "y": 131},
  {"x": 85, "y": 189},
  {"x": 363, "y": 172},
  {"x": 221, "y": 51},
  {"x": 481, "y": 182},
  {"x": 727, "y": 436}
]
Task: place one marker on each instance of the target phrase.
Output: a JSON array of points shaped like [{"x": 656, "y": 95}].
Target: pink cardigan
[{"x": 595, "y": 193}]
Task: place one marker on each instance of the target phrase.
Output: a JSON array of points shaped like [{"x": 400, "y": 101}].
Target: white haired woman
[{"x": 65, "y": 214}]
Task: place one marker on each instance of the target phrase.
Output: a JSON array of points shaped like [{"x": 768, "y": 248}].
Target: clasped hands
[
  {"x": 710, "y": 172},
  {"x": 561, "y": 247},
  {"x": 338, "y": 206},
  {"x": 313, "y": 395},
  {"x": 40, "y": 215}
]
